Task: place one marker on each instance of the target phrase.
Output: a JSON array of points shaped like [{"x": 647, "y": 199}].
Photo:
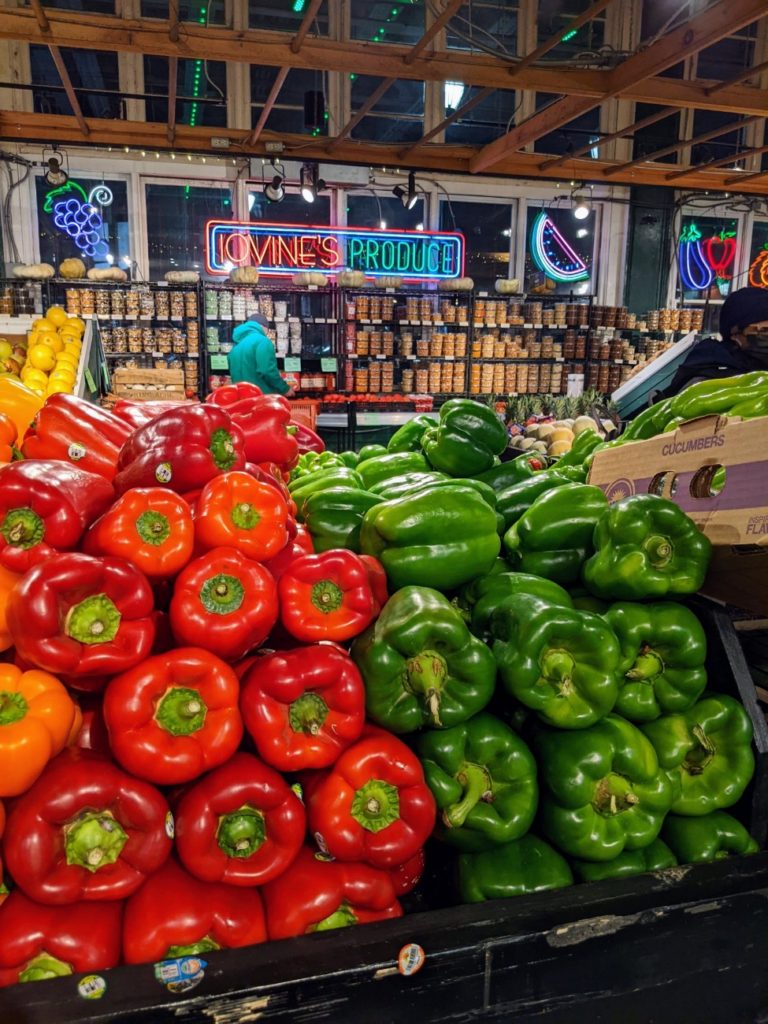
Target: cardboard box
[{"x": 680, "y": 466}]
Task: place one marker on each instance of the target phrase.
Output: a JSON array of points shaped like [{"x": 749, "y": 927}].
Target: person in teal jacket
[{"x": 253, "y": 358}]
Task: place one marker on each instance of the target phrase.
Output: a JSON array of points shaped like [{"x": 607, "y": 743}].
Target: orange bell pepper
[
  {"x": 19, "y": 403},
  {"x": 237, "y": 511},
  {"x": 8, "y": 437},
  {"x": 36, "y": 718},
  {"x": 3, "y": 886},
  {"x": 8, "y": 581}
]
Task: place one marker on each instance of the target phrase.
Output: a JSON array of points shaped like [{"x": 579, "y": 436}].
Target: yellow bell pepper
[{"x": 19, "y": 403}]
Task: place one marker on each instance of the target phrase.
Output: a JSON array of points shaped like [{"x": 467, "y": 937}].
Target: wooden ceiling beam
[
  {"x": 683, "y": 143},
  {"x": 721, "y": 19},
  {"x": 384, "y": 60},
  {"x": 737, "y": 79},
  {"x": 741, "y": 178},
  {"x": 35, "y": 129},
  {"x": 554, "y": 40},
  {"x": 173, "y": 21},
  {"x": 721, "y": 161},
  {"x": 451, "y": 7},
  {"x": 66, "y": 81},
  {"x": 359, "y": 114},
  {"x": 40, "y": 15},
  {"x": 266, "y": 110},
  {"x": 636, "y": 126},
  {"x": 173, "y": 77},
  {"x": 459, "y": 112},
  {"x": 306, "y": 23}
]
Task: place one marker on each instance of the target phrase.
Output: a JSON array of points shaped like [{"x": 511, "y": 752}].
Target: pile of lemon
[{"x": 54, "y": 344}]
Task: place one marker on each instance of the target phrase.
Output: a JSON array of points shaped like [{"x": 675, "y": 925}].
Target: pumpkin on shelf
[
  {"x": 389, "y": 281},
  {"x": 107, "y": 274},
  {"x": 244, "y": 275},
  {"x": 34, "y": 271},
  {"x": 72, "y": 268},
  {"x": 507, "y": 286},
  {"x": 456, "y": 284},
  {"x": 351, "y": 279}
]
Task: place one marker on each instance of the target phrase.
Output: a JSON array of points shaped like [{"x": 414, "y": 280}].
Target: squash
[
  {"x": 456, "y": 284},
  {"x": 72, "y": 268},
  {"x": 34, "y": 271},
  {"x": 310, "y": 277},
  {"x": 107, "y": 274},
  {"x": 182, "y": 277},
  {"x": 507, "y": 286},
  {"x": 389, "y": 281},
  {"x": 561, "y": 434},
  {"x": 244, "y": 275},
  {"x": 351, "y": 279},
  {"x": 559, "y": 448},
  {"x": 582, "y": 423}
]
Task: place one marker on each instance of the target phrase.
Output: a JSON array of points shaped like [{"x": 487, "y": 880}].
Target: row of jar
[
  {"x": 127, "y": 303},
  {"x": 241, "y": 303},
  {"x": 149, "y": 339}
]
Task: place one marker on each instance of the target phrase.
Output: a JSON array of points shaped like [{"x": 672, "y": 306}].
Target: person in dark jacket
[
  {"x": 253, "y": 358},
  {"x": 744, "y": 345}
]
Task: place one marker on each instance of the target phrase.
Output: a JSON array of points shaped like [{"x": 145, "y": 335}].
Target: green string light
[{"x": 196, "y": 87}]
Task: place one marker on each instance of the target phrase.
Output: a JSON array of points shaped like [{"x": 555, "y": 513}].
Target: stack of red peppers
[{"x": 184, "y": 756}]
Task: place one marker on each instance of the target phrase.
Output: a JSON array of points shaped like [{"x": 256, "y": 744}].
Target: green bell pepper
[
  {"x": 707, "y": 752},
  {"x": 602, "y": 789},
  {"x": 421, "y": 665},
  {"x": 556, "y": 660},
  {"x": 515, "y": 500},
  {"x": 553, "y": 538},
  {"x": 311, "y": 462},
  {"x": 400, "y": 490},
  {"x": 718, "y": 395},
  {"x": 371, "y": 451},
  {"x": 663, "y": 650},
  {"x": 466, "y": 440},
  {"x": 408, "y": 437},
  {"x": 752, "y": 407},
  {"x": 524, "y": 866},
  {"x": 336, "y": 476},
  {"x": 713, "y": 837},
  {"x": 648, "y": 423},
  {"x": 334, "y": 516},
  {"x": 483, "y": 778},
  {"x": 487, "y": 593},
  {"x": 655, "y": 857},
  {"x": 584, "y": 443},
  {"x": 396, "y": 486},
  {"x": 349, "y": 458},
  {"x": 583, "y": 600},
  {"x": 384, "y": 467},
  {"x": 646, "y": 547},
  {"x": 523, "y": 467},
  {"x": 428, "y": 539}
]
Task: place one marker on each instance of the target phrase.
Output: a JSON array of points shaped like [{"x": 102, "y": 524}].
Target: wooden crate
[{"x": 149, "y": 385}]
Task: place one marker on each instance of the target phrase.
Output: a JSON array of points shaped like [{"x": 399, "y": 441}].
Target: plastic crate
[{"x": 304, "y": 411}]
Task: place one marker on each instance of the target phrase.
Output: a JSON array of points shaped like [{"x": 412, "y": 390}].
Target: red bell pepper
[
  {"x": 405, "y": 877},
  {"x": 327, "y": 596},
  {"x": 231, "y": 394},
  {"x": 82, "y": 616},
  {"x": 300, "y": 545},
  {"x": 79, "y": 432},
  {"x": 373, "y": 805},
  {"x": 266, "y": 424},
  {"x": 378, "y": 579},
  {"x": 45, "y": 507},
  {"x": 307, "y": 439},
  {"x": 181, "y": 449},
  {"x": 86, "y": 831},
  {"x": 3, "y": 886},
  {"x": 241, "y": 824},
  {"x": 150, "y": 527},
  {"x": 224, "y": 602},
  {"x": 174, "y": 914},
  {"x": 174, "y": 716},
  {"x": 303, "y": 707},
  {"x": 92, "y": 732},
  {"x": 40, "y": 942},
  {"x": 138, "y": 413},
  {"x": 317, "y": 895},
  {"x": 237, "y": 511}
]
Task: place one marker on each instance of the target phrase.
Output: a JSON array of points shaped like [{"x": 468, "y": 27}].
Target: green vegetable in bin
[
  {"x": 507, "y": 474},
  {"x": 396, "y": 486},
  {"x": 486, "y": 594},
  {"x": 603, "y": 790},
  {"x": 408, "y": 437},
  {"x": 515, "y": 500},
  {"x": 334, "y": 516},
  {"x": 655, "y": 857},
  {"x": 663, "y": 650},
  {"x": 712, "y": 837},
  {"x": 483, "y": 778},
  {"x": 391, "y": 464},
  {"x": 646, "y": 547},
  {"x": 371, "y": 451},
  {"x": 719, "y": 395},
  {"x": 524, "y": 866},
  {"x": 707, "y": 753},
  {"x": 467, "y": 439}
]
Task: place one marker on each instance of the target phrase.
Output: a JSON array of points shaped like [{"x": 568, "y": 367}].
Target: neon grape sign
[
  {"x": 553, "y": 255},
  {"x": 281, "y": 249},
  {"x": 76, "y": 214}
]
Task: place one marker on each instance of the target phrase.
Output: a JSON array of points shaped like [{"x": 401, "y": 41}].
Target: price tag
[
  {"x": 157, "y": 355},
  {"x": 89, "y": 380},
  {"x": 537, "y": 327},
  {"x": 292, "y": 364},
  {"x": 219, "y": 363},
  {"x": 225, "y": 317},
  {"x": 449, "y": 359},
  {"x": 319, "y": 319},
  {"x": 128, "y": 316},
  {"x": 332, "y": 320},
  {"x": 528, "y": 326},
  {"x": 406, "y": 322},
  {"x": 559, "y": 359},
  {"x": 438, "y": 323},
  {"x": 376, "y": 321},
  {"x": 162, "y": 284},
  {"x": 329, "y": 365},
  {"x": 483, "y": 295},
  {"x": 381, "y": 357},
  {"x": 293, "y": 319},
  {"x": 389, "y": 291}
]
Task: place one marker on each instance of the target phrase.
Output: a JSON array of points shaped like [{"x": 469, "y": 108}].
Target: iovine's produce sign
[{"x": 279, "y": 250}]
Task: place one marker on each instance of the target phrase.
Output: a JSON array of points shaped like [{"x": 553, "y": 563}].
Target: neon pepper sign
[
  {"x": 282, "y": 249},
  {"x": 758, "y": 270},
  {"x": 702, "y": 262},
  {"x": 553, "y": 255},
  {"x": 74, "y": 212}
]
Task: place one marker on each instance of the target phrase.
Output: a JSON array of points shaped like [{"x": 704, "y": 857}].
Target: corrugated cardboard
[{"x": 679, "y": 466}]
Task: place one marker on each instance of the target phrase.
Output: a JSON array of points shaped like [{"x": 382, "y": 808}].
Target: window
[
  {"x": 200, "y": 91},
  {"x": 87, "y": 6},
  {"x": 655, "y": 136},
  {"x": 300, "y": 104},
  {"x": 484, "y": 24},
  {"x": 211, "y": 13},
  {"x": 399, "y": 114},
  {"x": 381, "y": 211},
  {"x": 286, "y": 16},
  {"x": 559, "y": 254},
  {"x": 292, "y": 209},
  {"x": 94, "y": 78},
  {"x": 758, "y": 257},
  {"x": 388, "y": 21},
  {"x": 490, "y": 118},
  {"x": 706, "y": 256},
  {"x": 571, "y": 136},
  {"x": 176, "y": 215},
  {"x": 710, "y": 120},
  {"x": 487, "y": 230},
  {"x": 87, "y": 218},
  {"x": 727, "y": 57},
  {"x": 557, "y": 16}
]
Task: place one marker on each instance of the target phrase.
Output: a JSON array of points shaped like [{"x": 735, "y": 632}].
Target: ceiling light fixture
[
  {"x": 55, "y": 175},
  {"x": 407, "y": 196},
  {"x": 311, "y": 184},
  {"x": 274, "y": 189},
  {"x": 581, "y": 206}
]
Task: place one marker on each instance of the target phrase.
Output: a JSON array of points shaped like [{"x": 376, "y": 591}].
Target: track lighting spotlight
[
  {"x": 55, "y": 175},
  {"x": 581, "y": 206},
  {"x": 311, "y": 184},
  {"x": 274, "y": 190},
  {"x": 407, "y": 196}
]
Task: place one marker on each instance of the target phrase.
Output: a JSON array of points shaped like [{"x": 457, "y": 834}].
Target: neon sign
[
  {"x": 553, "y": 255},
  {"x": 758, "y": 271},
  {"x": 280, "y": 249},
  {"x": 701, "y": 263},
  {"x": 76, "y": 215}
]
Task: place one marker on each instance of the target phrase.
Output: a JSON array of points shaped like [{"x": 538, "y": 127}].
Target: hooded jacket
[{"x": 253, "y": 359}]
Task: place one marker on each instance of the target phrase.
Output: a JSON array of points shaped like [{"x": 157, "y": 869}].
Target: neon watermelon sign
[{"x": 553, "y": 255}]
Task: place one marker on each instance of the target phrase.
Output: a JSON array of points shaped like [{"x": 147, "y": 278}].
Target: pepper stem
[
  {"x": 425, "y": 676},
  {"x": 478, "y": 785},
  {"x": 307, "y": 713},
  {"x": 181, "y": 711},
  {"x": 660, "y": 550},
  {"x": 613, "y": 795},
  {"x": 241, "y": 832},
  {"x": 244, "y": 516},
  {"x": 341, "y": 918},
  {"x": 94, "y": 840},
  {"x": 22, "y": 528},
  {"x": 700, "y": 755},
  {"x": 204, "y": 945},
  {"x": 557, "y": 667},
  {"x": 44, "y": 967},
  {"x": 327, "y": 596},
  {"x": 648, "y": 665},
  {"x": 222, "y": 449},
  {"x": 222, "y": 594},
  {"x": 94, "y": 620},
  {"x": 376, "y": 805},
  {"x": 153, "y": 527},
  {"x": 13, "y": 707}
]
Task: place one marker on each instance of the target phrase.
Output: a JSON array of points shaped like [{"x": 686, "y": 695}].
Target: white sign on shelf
[{"x": 575, "y": 385}]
